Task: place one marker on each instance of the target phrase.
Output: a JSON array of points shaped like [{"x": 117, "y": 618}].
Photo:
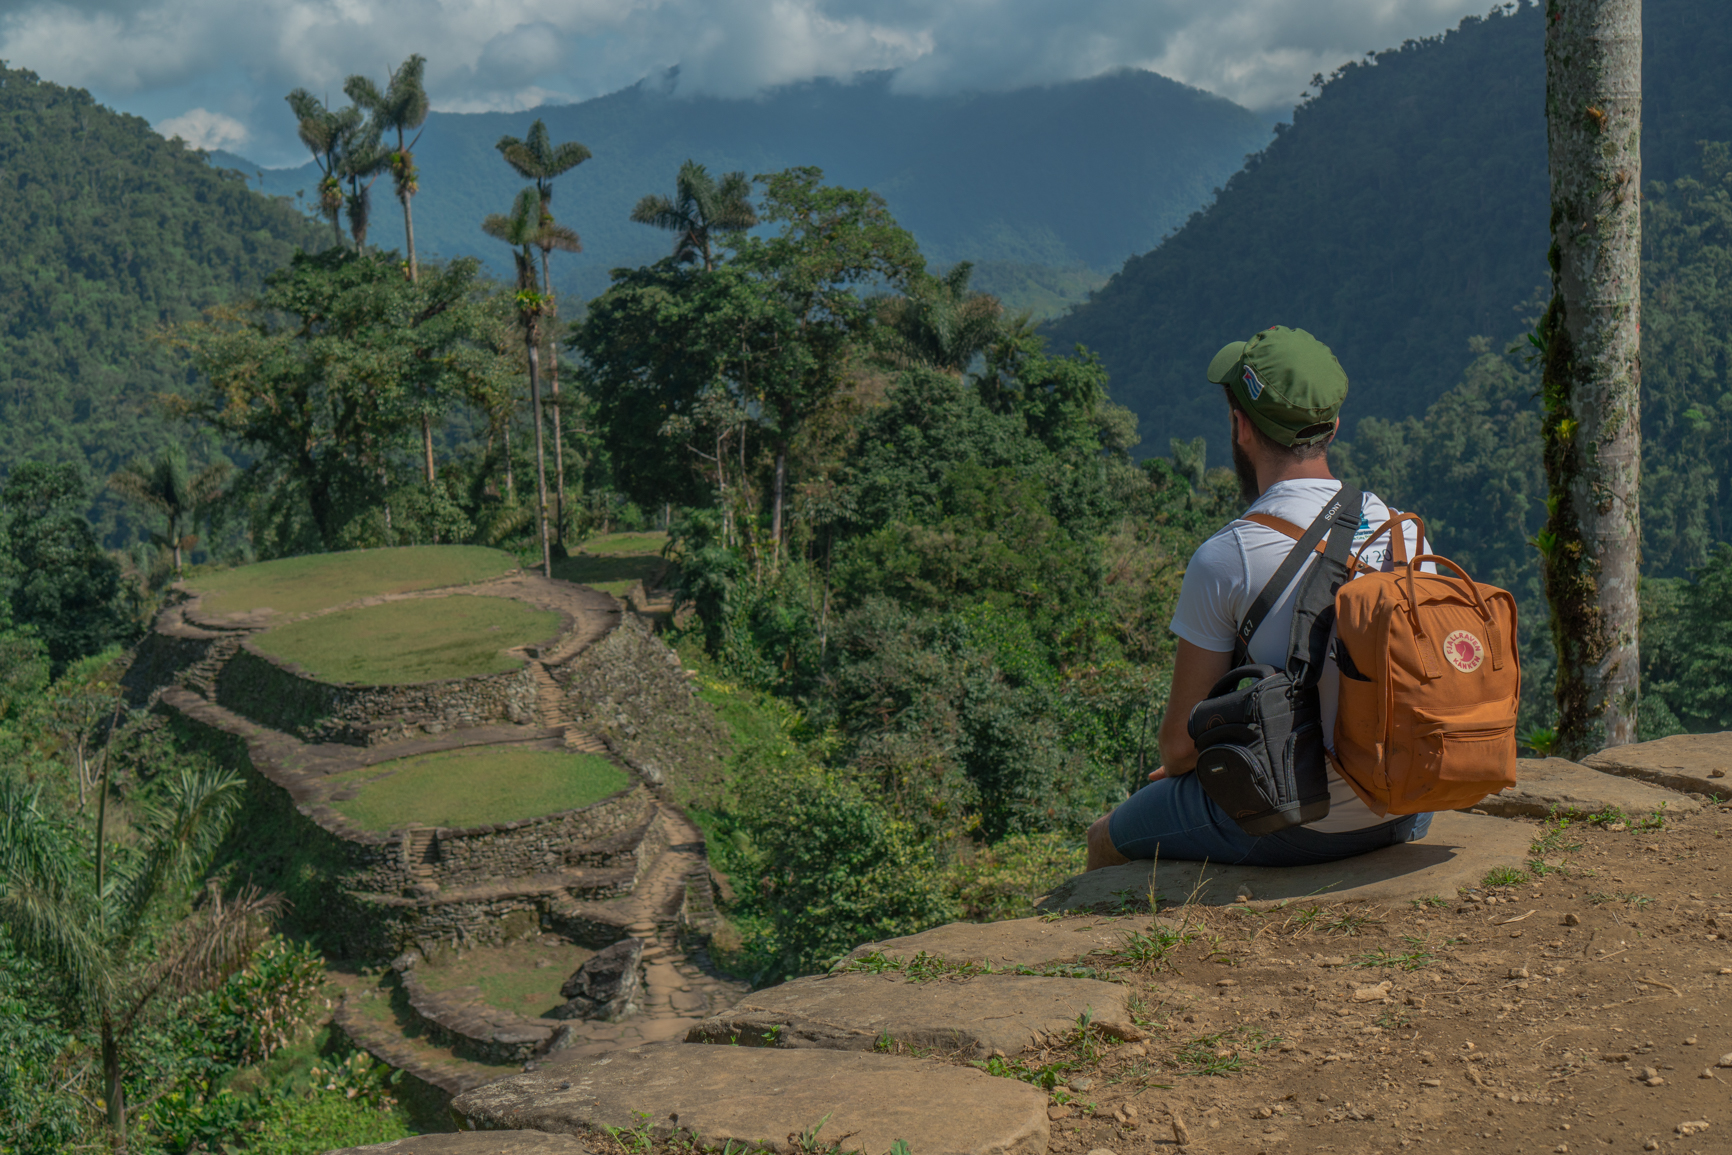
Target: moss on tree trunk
[{"x": 1591, "y": 545}]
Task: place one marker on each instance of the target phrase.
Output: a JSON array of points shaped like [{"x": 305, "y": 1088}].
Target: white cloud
[
  {"x": 509, "y": 54},
  {"x": 202, "y": 128}
]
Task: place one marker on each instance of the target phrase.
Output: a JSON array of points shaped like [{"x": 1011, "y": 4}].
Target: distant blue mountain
[{"x": 1048, "y": 189}]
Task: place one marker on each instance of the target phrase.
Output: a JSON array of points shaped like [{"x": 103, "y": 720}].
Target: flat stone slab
[
  {"x": 1027, "y": 942},
  {"x": 758, "y": 1095},
  {"x": 1458, "y": 851},
  {"x": 1545, "y": 785},
  {"x": 972, "y": 1016},
  {"x": 1697, "y": 763},
  {"x": 474, "y": 1143}
]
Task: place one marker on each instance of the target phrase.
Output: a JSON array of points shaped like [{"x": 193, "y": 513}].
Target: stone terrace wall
[
  {"x": 629, "y": 687},
  {"x": 271, "y": 694},
  {"x": 539, "y": 845}
]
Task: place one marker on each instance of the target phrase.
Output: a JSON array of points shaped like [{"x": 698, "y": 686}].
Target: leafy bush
[
  {"x": 1003, "y": 880},
  {"x": 1687, "y": 650}
]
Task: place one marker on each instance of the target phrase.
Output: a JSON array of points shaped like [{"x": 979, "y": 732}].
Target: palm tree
[
  {"x": 325, "y": 132},
  {"x": 701, "y": 204},
  {"x": 521, "y": 229},
  {"x": 168, "y": 487},
  {"x": 363, "y": 158},
  {"x": 939, "y": 322},
  {"x": 401, "y": 107},
  {"x": 538, "y": 159},
  {"x": 119, "y": 936}
]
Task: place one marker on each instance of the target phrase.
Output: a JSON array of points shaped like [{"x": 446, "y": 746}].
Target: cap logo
[{"x": 1253, "y": 384}]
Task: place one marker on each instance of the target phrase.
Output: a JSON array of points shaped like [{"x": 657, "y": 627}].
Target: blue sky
[{"x": 215, "y": 71}]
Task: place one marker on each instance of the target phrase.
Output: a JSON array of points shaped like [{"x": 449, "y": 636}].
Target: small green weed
[
  {"x": 1352, "y": 923},
  {"x": 1432, "y": 901},
  {"x": 1628, "y": 897},
  {"x": 1087, "y": 1040},
  {"x": 1554, "y": 837},
  {"x": 1656, "y": 820},
  {"x": 1610, "y": 816},
  {"x": 1046, "y": 1076},
  {"x": 1147, "y": 949},
  {"x": 636, "y": 1138},
  {"x": 1503, "y": 876},
  {"x": 1413, "y": 958},
  {"x": 1394, "y": 1019},
  {"x": 885, "y": 1045},
  {"x": 1225, "y": 1052}
]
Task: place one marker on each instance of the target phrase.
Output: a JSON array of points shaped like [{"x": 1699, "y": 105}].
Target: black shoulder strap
[
  {"x": 1296, "y": 557},
  {"x": 1314, "y": 605}
]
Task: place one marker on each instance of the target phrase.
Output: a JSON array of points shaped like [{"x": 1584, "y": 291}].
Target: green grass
[
  {"x": 1224, "y": 1053},
  {"x": 476, "y": 787},
  {"x": 299, "y": 585},
  {"x": 650, "y": 543},
  {"x": 1413, "y": 958},
  {"x": 614, "y": 574},
  {"x": 1503, "y": 876},
  {"x": 416, "y": 640},
  {"x": 510, "y": 976}
]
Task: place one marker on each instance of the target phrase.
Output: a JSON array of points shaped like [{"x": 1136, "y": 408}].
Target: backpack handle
[
  {"x": 1397, "y": 541},
  {"x": 1473, "y": 591},
  {"x": 1231, "y": 679}
]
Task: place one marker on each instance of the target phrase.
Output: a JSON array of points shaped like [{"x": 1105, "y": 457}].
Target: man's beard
[{"x": 1248, "y": 491}]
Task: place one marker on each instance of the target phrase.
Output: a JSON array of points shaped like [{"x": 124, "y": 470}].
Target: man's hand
[{"x": 1195, "y": 672}]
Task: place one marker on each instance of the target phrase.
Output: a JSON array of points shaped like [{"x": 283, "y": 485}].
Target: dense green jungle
[{"x": 928, "y": 562}]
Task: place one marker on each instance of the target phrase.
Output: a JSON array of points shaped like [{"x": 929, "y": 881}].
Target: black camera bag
[{"x": 1260, "y": 747}]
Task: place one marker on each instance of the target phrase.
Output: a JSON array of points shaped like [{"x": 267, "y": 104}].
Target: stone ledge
[
  {"x": 1695, "y": 763},
  {"x": 1547, "y": 785},
  {"x": 753, "y": 1095},
  {"x": 1025, "y": 942},
  {"x": 474, "y": 1143},
  {"x": 1457, "y": 852},
  {"x": 974, "y": 1016}
]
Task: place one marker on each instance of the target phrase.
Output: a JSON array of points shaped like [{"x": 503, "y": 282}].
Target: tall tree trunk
[
  {"x": 510, "y": 472},
  {"x": 113, "y": 1092},
  {"x": 553, "y": 387},
  {"x": 1592, "y": 383},
  {"x": 409, "y": 237},
  {"x": 533, "y": 339},
  {"x": 776, "y": 501}
]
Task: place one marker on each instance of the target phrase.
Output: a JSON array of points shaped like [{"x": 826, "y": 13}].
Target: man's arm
[{"x": 1195, "y": 673}]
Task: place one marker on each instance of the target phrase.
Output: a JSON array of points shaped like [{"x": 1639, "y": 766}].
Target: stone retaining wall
[
  {"x": 273, "y": 694},
  {"x": 540, "y": 845},
  {"x": 629, "y": 688},
  {"x": 482, "y": 1034}
]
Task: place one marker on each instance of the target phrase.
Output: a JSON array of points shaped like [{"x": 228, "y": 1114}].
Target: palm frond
[
  {"x": 180, "y": 835},
  {"x": 221, "y": 942}
]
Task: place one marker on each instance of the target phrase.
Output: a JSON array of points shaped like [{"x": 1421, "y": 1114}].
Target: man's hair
[{"x": 1296, "y": 452}]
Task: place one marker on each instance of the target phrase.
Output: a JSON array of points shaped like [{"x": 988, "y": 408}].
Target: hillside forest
[{"x": 924, "y": 559}]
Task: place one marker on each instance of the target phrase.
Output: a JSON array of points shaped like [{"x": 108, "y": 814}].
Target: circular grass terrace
[
  {"x": 483, "y": 786},
  {"x": 299, "y": 585},
  {"x": 414, "y": 640}
]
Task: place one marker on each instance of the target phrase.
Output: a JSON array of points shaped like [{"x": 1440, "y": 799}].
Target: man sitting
[{"x": 1284, "y": 392}]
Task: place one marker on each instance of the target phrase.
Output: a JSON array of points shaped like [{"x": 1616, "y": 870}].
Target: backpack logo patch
[
  {"x": 1464, "y": 651},
  {"x": 1253, "y": 383}
]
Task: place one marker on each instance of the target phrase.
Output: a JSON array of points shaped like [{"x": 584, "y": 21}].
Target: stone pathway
[{"x": 759, "y": 1096}]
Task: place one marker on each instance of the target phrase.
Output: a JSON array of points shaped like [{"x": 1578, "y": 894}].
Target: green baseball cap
[{"x": 1287, "y": 380}]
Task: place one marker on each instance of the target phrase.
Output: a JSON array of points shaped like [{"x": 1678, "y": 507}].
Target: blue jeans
[{"x": 1176, "y": 819}]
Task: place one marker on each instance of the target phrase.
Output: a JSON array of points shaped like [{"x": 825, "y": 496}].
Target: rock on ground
[
  {"x": 607, "y": 986},
  {"x": 756, "y": 1095},
  {"x": 975, "y": 1016},
  {"x": 1458, "y": 851},
  {"x": 475, "y": 1143},
  {"x": 1544, "y": 785},
  {"x": 1699, "y": 763}
]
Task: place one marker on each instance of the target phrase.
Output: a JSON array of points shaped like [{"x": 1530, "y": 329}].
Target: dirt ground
[{"x": 1582, "y": 1008}]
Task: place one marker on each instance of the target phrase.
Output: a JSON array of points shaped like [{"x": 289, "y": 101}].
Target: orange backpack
[{"x": 1430, "y": 681}]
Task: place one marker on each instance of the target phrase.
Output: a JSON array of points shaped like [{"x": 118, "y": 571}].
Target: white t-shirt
[{"x": 1228, "y": 572}]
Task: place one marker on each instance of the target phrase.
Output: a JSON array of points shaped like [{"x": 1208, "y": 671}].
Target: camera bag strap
[{"x": 1313, "y": 608}]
